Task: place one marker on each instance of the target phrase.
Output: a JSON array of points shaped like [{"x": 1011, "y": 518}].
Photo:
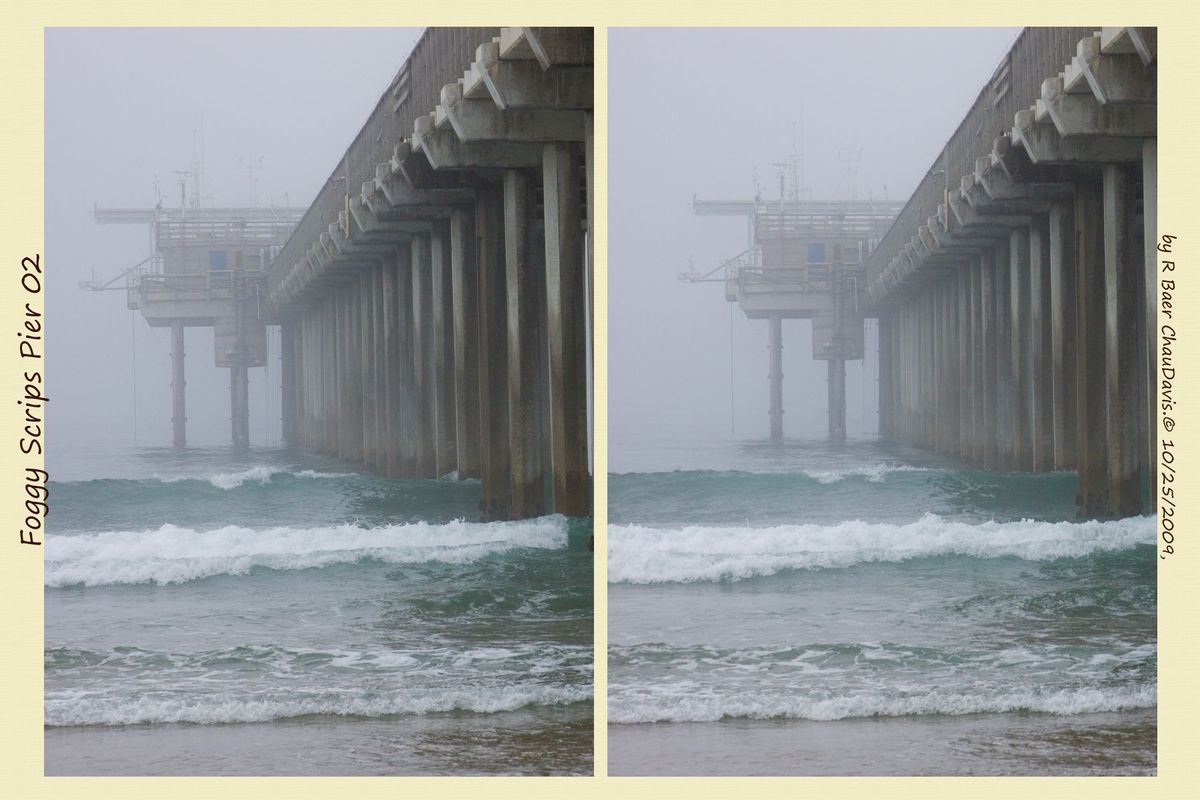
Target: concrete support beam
[
  {"x": 525, "y": 452},
  {"x": 567, "y": 320},
  {"x": 1121, "y": 284},
  {"x": 389, "y": 331},
  {"x": 178, "y": 407},
  {"x": 423, "y": 388},
  {"x": 775, "y": 376},
  {"x": 366, "y": 344},
  {"x": 1064, "y": 304},
  {"x": 239, "y": 402},
  {"x": 1042, "y": 410},
  {"x": 1150, "y": 276},
  {"x": 988, "y": 336},
  {"x": 443, "y": 350},
  {"x": 1090, "y": 360},
  {"x": 464, "y": 251},
  {"x": 493, "y": 365},
  {"x": 289, "y": 381},
  {"x": 837, "y": 399},
  {"x": 407, "y": 408},
  {"x": 1020, "y": 293},
  {"x": 379, "y": 370},
  {"x": 979, "y": 422},
  {"x": 1005, "y": 391}
]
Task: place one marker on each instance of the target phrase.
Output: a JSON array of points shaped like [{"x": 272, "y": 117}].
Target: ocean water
[
  {"x": 800, "y": 608},
  {"x": 272, "y": 613}
]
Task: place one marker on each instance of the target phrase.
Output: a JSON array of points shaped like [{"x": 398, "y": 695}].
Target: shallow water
[
  {"x": 804, "y": 595},
  {"x": 214, "y": 613}
]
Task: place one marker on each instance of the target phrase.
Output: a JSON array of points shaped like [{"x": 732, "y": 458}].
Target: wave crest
[
  {"x": 641, "y": 554},
  {"x": 173, "y": 554}
]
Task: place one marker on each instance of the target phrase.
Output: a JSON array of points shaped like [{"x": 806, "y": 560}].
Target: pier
[
  {"x": 1016, "y": 289},
  {"x": 434, "y": 299}
]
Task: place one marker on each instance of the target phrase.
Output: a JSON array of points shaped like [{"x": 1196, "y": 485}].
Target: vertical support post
[
  {"x": 1121, "y": 341},
  {"x": 1150, "y": 267},
  {"x": 1064, "y": 303},
  {"x": 775, "y": 376},
  {"x": 465, "y": 290},
  {"x": 837, "y": 399},
  {"x": 178, "y": 382},
  {"x": 493, "y": 366},
  {"x": 1004, "y": 388},
  {"x": 567, "y": 320},
  {"x": 1090, "y": 361},
  {"x": 966, "y": 387},
  {"x": 422, "y": 302},
  {"x": 379, "y": 370},
  {"x": 287, "y": 380},
  {"x": 239, "y": 403},
  {"x": 1042, "y": 419},
  {"x": 1019, "y": 313},
  {"x": 390, "y": 333},
  {"x": 443, "y": 350},
  {"x": 987, "y": 302},
  {"x": 406, "y": 409},
  {"x": 979, "y": 423},
  {"x": 364, "y": 343},
  {"x": 521, "y": 289},
  {"x": 884, "y": 345}
]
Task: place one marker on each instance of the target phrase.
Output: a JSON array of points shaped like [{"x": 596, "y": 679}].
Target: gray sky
[
  {"x": 695, "y": 112},
  {"x": 124, "y": 105}
]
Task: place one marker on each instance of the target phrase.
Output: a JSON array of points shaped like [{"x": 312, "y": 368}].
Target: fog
[
  {"x": 697, "y": 112},
  {"x": 125, "y": 108}
]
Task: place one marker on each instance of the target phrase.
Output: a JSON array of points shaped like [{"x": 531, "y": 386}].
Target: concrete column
[
  {"x": 465, "y": 291},
  {"x": 443, "y": 350},
  {"x": 1064, "y": 303},
  {"x": 1004, "y": 387},
  {"x": 178, "y": 407},
  {"x": 949, "y": 379},
  {"x": 390, "y": 334},
  {"x": 287, "y": 381},
  {"x": 1122, "y": 283},
  {"x": 1150, "y": 268},
  {"x": 837, "y": 399},
  {"x": 521, "y": 288},
  {"x": 987, "y": 302},
  {"x": 406, "y": 383},
  {"x": 1020, "y": 356},
  {"x": 1090, "y": 361},
  {"x": 239, "y": 404},
  {"x": 365, "y": 343},
  {"x": 422, "y": 305},
  {"x": 884, "y": 346},
  {"x": 775, "y": 377},
  {"x": 379, "y": 356},
  {"x": 979, "y": 422},
  {"x": 1042, "y": 416},
  {"x": 567, "y": 319},
  {"x": 966, "y": 387},
  {"x": 496, "y": 486}
]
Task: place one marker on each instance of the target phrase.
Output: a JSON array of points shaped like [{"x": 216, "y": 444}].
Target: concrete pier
[
  {"x": 1056, "y": 308},
  {"x": 450, "y": 307},
  {"x": 775, "y": 376}
]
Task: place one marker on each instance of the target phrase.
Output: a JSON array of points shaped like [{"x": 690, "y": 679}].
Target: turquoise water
[
  {"x": 871, "y": 610},
  {"x": 272, "y": 613}
]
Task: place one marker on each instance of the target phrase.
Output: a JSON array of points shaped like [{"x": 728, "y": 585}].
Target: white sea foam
[
  {"x": 260, "y": 474},
  {"x": 227, "y": 708},
  {"x": 642, "y": 554},
  {"x": 875, "y": 473},
  {"x": 174, "y": 554},
  {"x": 694, "y": 706}
]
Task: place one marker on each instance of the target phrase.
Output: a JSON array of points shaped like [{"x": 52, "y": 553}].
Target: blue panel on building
[
  {"x": 217, "y": 259},
  {"x": 816, "y": 253}
]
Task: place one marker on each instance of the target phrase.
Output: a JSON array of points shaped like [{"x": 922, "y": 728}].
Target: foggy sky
[
  {"x": 125, "y": 105},
  {"x": 695, "y": 112}
]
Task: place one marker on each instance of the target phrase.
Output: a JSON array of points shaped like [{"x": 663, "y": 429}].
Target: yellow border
[{"x": 21, "y": 143}]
